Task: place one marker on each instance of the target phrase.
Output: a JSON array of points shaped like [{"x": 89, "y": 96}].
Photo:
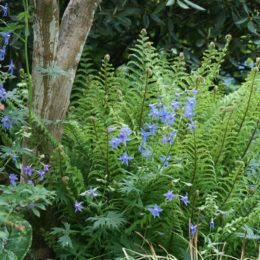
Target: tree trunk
[{"x": 56, "y": 54}]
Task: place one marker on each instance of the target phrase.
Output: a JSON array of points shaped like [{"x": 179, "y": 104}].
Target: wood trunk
[{"x": 58, "y": 45}]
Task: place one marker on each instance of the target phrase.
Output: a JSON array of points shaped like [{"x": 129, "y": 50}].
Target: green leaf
[
  {"x": 170, "y": 2},
  {"x": 241, "y": 21},
  {"x": 195, "y": 6},
  {"x": 36, "y": 212},
  {"x": 182, "y": 5},
  {"x": 111, "y": 220},
  {"x": 251, "y": 27},
  {"x": 19, "y": 239},
  {"x": 7, "y": 255}
]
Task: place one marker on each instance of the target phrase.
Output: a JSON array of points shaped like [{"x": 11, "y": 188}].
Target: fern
[{"x": 211, "y": 163}]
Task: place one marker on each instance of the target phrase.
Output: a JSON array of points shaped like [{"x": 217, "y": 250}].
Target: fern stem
[
  {"x": 233, "y": 185},
  {"x": 143, "y": 101},
  {"x": 250, "y": 141},
  {"x": 107, "y": 163},
  {"x": 97, "y": 139},
  {"x": 242, "y": 257},
  {"x": 223, "y": 140},
  {"x": 248, "y": 103},
  {"x": 195, "y": 163}
]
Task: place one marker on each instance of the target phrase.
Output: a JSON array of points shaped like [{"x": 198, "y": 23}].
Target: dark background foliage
[{"x": 173, "y": 25}]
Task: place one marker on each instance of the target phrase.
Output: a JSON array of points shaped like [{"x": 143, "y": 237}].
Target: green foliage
[
  {"x": 15, "y": 240},
  {"x": 16, "y": 232},
  {"x": 215, "y": 164},
  {"x": 182, "y": 25}
]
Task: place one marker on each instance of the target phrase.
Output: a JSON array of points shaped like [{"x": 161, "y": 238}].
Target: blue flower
[
  {"x": 114, "y": 142},
  {"x": 90, "y": 192},
  {"x": 110, "y": 129},
  {"x": 2, "y": 53},
  {"x": 185, "y": 199},
  {"x": 14, "y": 157},
  {"x": 194, "y": 91},
  {"x": 145, "y": 135},
  {"x": 212, "y": 224},
  {"x": 28, "y": 170},
  {"x": 124, "y": 134},
  {"x": 169, "y": 195},
  {"x": 146, "y": 152},
  {"x": 175, "y": 104},
  {"x": 41, "y": 174},
  {"x": 13, "y": 178},
  {"x": 164, "y": 140},
  {"x": 141, "y": 147},
  {"x": 229, "y": 81},
  {"x": 31, "y": 205},
  {"x": 190, "y": 104},
  {"x": 7, "y": 123},
  {"x": 155, "y": 210},
  {"x": 124, "y": 158},
  {"x": 78, "y": 206},
  {"x": 241, "y": 67},
  {"x": 154, "y": 112},
  {"x": 2, "y": 93},
  {"x": 11, "y": 67},
  {"x": 5, "y": 9},
  {"x": 165, "y": 160},
  {"x": 168, "y": 139},
  {"x": 164, "y": 115},
  {"x": 173, "y": 133},
  {"x": 188, "y": 114},
  {"x": 192, "y": 126},
  {"x": 170, "y": 120},
  {"x": 46, "y": 167},
  {"x": 152, "y": 128},
  {"x": 30, "y": 182},
  {"x": 251, "y": 65},
  {"x": 193, "y": 229},
  {"x": 6, "y": 36}
]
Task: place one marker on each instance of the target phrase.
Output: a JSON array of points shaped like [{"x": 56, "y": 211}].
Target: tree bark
[{"x": 57, "y": 50}]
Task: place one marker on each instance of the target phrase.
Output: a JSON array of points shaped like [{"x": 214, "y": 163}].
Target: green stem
[
  {"x": 223, "y": 140},
  {"x": 143, "y": 102},
  {"x": 248, "y": 103},
  {"x": 233, "y": 186},
  {"x": 195, "y": 163}
]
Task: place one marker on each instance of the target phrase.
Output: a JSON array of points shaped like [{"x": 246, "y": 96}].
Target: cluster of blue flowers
[
  {"x": 159, "y": 112},
  {"x": 144, "y": 149},
  {"x": 5, "y": 120},
  {"x": 193, "y": 228},
  {"x": 31, "y": 173},
  {"x": 189, "y": 110},
  {"x": 156, "y": 210},
  {"x": 122, "y": 138},
  {"x": 91, "y": 193},
  {"x": 169, "y": 196}
]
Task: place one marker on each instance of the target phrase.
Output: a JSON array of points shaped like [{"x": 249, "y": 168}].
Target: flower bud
[
  {"x": 228, "y": 37},
  {"x": 181, "y": 55},
  {"x": 257, "y": 61},
  {"x": 65, "y": 179},
  {"x": 92, "y": 119},
  {"x": 107, "y": 57},
  {"x": 212, "y": 45},
  {"x": 149, "y": 72},
  {"x": 143, "y": 31}
]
